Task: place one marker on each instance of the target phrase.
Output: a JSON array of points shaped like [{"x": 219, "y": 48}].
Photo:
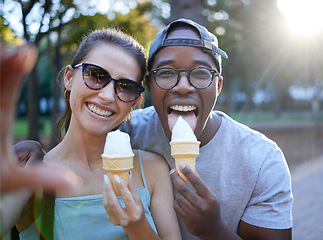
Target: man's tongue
[{"x": 187, "y": 116}]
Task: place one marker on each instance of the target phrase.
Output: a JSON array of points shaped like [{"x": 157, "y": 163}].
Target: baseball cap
[{"x": 208, "y": 41}]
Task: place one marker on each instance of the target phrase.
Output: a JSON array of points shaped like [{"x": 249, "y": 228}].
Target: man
[{"x": 242, "y": 187}]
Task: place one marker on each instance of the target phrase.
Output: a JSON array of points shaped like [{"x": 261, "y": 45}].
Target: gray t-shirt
[{"x": 246, "y": 170}]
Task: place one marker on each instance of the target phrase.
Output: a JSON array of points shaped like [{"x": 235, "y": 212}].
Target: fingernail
[
  {"x": 106, "y": 179},
  {"x": 117, "y": 179},
  {"x": 181, "y": 166}
]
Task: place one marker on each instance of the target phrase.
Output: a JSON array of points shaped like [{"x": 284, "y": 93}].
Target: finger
[
  {"x": 133, "y": 191},
  {"x": 197, "y": 182},
  {"x": 136, "y": 207},
  {"x": 179, "y": 211},
  {"x": 37, "y": 177},
  {"x": 125, "y": 192},
  {"x": 109, "y": 200},
  {"x": 183, "y": 205},
  {"x": 14, "y": 66}
]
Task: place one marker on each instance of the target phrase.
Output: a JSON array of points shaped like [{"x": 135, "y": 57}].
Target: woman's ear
[{"x": 68, "y": 76}]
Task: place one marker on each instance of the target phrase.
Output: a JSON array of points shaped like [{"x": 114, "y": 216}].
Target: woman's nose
[{"x": 107, "y": 93}]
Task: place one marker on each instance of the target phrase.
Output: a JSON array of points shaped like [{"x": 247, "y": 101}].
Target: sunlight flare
[{"x": 304, "y": 16}]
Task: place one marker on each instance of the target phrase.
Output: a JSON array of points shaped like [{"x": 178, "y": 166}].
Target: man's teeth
[
  {"x": 99, "y": 111},
  {"x": 183, "y": 108}
]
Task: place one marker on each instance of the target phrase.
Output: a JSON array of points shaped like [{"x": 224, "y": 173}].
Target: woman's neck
[{"x": 82, "y": 147}]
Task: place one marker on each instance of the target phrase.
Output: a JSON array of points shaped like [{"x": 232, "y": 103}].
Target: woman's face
[{"x": 99, "y": 111}]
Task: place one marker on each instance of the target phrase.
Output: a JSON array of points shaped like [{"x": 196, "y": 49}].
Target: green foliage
[{"x": 7, "y": 36}]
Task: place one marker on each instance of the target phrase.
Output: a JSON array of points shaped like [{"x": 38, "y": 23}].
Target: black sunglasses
[{"x": 96, "y": 78}]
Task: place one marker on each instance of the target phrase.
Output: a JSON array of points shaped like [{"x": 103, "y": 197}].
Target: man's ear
[
  {"x": 220, "y": 84},
  {"x": 68, "y": 76}
]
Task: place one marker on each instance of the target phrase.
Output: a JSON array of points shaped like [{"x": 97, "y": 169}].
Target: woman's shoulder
[
  {"x": 151, "y": 159},
  {"x": 154, "y": 166},
  {"x": 155, "y": 169}
]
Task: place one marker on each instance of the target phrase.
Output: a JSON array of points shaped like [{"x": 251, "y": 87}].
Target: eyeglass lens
[
  {"x": 96, "y": 78},
  {"x": 199, "y": 77}
]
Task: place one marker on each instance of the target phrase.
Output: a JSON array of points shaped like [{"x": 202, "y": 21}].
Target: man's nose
[{"x": 184, "y": 86}]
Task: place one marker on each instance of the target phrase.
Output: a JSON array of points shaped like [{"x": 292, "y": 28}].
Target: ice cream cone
[
  {"x": 118, "y": 166},
  {"x": 185, "y": 152}
]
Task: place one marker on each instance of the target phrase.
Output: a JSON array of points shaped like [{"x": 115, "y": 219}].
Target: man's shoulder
[
  {"x": 144, "y": 113},
  {"x": 243, "y": 133},
  {"x": 140, "y": 119}
]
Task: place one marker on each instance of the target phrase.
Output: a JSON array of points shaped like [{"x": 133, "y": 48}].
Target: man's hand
[{"x": 197, "y": 207}]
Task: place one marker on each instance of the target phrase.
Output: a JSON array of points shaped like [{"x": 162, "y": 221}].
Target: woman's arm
[{"x": 162, "y": 199}]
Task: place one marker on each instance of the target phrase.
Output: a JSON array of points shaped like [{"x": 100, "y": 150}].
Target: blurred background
[{"x": 273, "y": 79}]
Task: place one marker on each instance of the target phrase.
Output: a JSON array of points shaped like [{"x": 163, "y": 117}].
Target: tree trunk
[
  {"x": 191, "y": 9},
  {"x": 56, "y": 90},
  {"x": 33, "y": 106}
]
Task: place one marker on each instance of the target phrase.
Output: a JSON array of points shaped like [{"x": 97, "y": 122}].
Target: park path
[{"x": 307, "y": 180}]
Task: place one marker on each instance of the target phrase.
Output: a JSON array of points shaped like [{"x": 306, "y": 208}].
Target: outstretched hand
[
  {"x": 14, "y": 66},
  {"x": 197, "y": 207}
]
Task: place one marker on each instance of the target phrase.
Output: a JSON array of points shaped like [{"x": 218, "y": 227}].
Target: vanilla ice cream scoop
[
  {"x": 117, "y": 145},
  {"x": 117, "y": 157},
  {"x": 182, "y": 131},
  {"x": 184, "y": 145}
]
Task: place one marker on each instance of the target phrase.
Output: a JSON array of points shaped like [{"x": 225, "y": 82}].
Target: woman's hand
[
  {"x": 131, "y": 217},
  {"x": 15, "y": 65},
  {"x": 126, "y": 216}
]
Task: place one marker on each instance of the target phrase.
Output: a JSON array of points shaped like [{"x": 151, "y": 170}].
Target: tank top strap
[{"x": 142, "y": 168}]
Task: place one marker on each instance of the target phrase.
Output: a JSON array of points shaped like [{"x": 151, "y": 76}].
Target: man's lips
[
  {"x": 101, "y": 112},
  {"x": 185, "y": 108},
  {"x": 187, "y": 112}
]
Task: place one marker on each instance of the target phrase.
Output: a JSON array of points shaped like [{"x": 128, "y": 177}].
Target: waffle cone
[
  {"x": 118, "y": 166},
  {"x": 185, "y": 152},
  {"x": 124, "y": 175}
]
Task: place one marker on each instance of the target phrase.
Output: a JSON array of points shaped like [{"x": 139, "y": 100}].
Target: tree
[
  {"x": 39, "y": 18},
  {"x": 191, "y": 9}
]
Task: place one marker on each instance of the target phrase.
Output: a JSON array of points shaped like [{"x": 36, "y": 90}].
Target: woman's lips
[{"x": 101, "y": 112}]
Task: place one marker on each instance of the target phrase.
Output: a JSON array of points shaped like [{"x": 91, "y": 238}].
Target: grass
[
  {"x": 20, "y": 128},
  {"x": 250, "y": 117}
]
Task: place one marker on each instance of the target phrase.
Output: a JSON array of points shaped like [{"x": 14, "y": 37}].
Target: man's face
[{"x": 194, "y": 105}]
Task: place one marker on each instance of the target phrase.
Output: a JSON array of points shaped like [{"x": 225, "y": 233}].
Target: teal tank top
[{"x": 85, "y": 217}]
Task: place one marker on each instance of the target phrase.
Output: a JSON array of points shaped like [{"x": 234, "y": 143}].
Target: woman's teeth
[
  {"x": 99, "y": 111},
  {"x": 183, "y": 108}
]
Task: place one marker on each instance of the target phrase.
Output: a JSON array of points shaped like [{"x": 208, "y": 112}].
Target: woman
[{"x": 102, "y": 86}]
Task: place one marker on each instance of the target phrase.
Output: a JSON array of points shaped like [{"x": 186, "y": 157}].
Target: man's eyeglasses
[
  {"x": 199, "y": 77},
  {"x": 96, "y": 78}
]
